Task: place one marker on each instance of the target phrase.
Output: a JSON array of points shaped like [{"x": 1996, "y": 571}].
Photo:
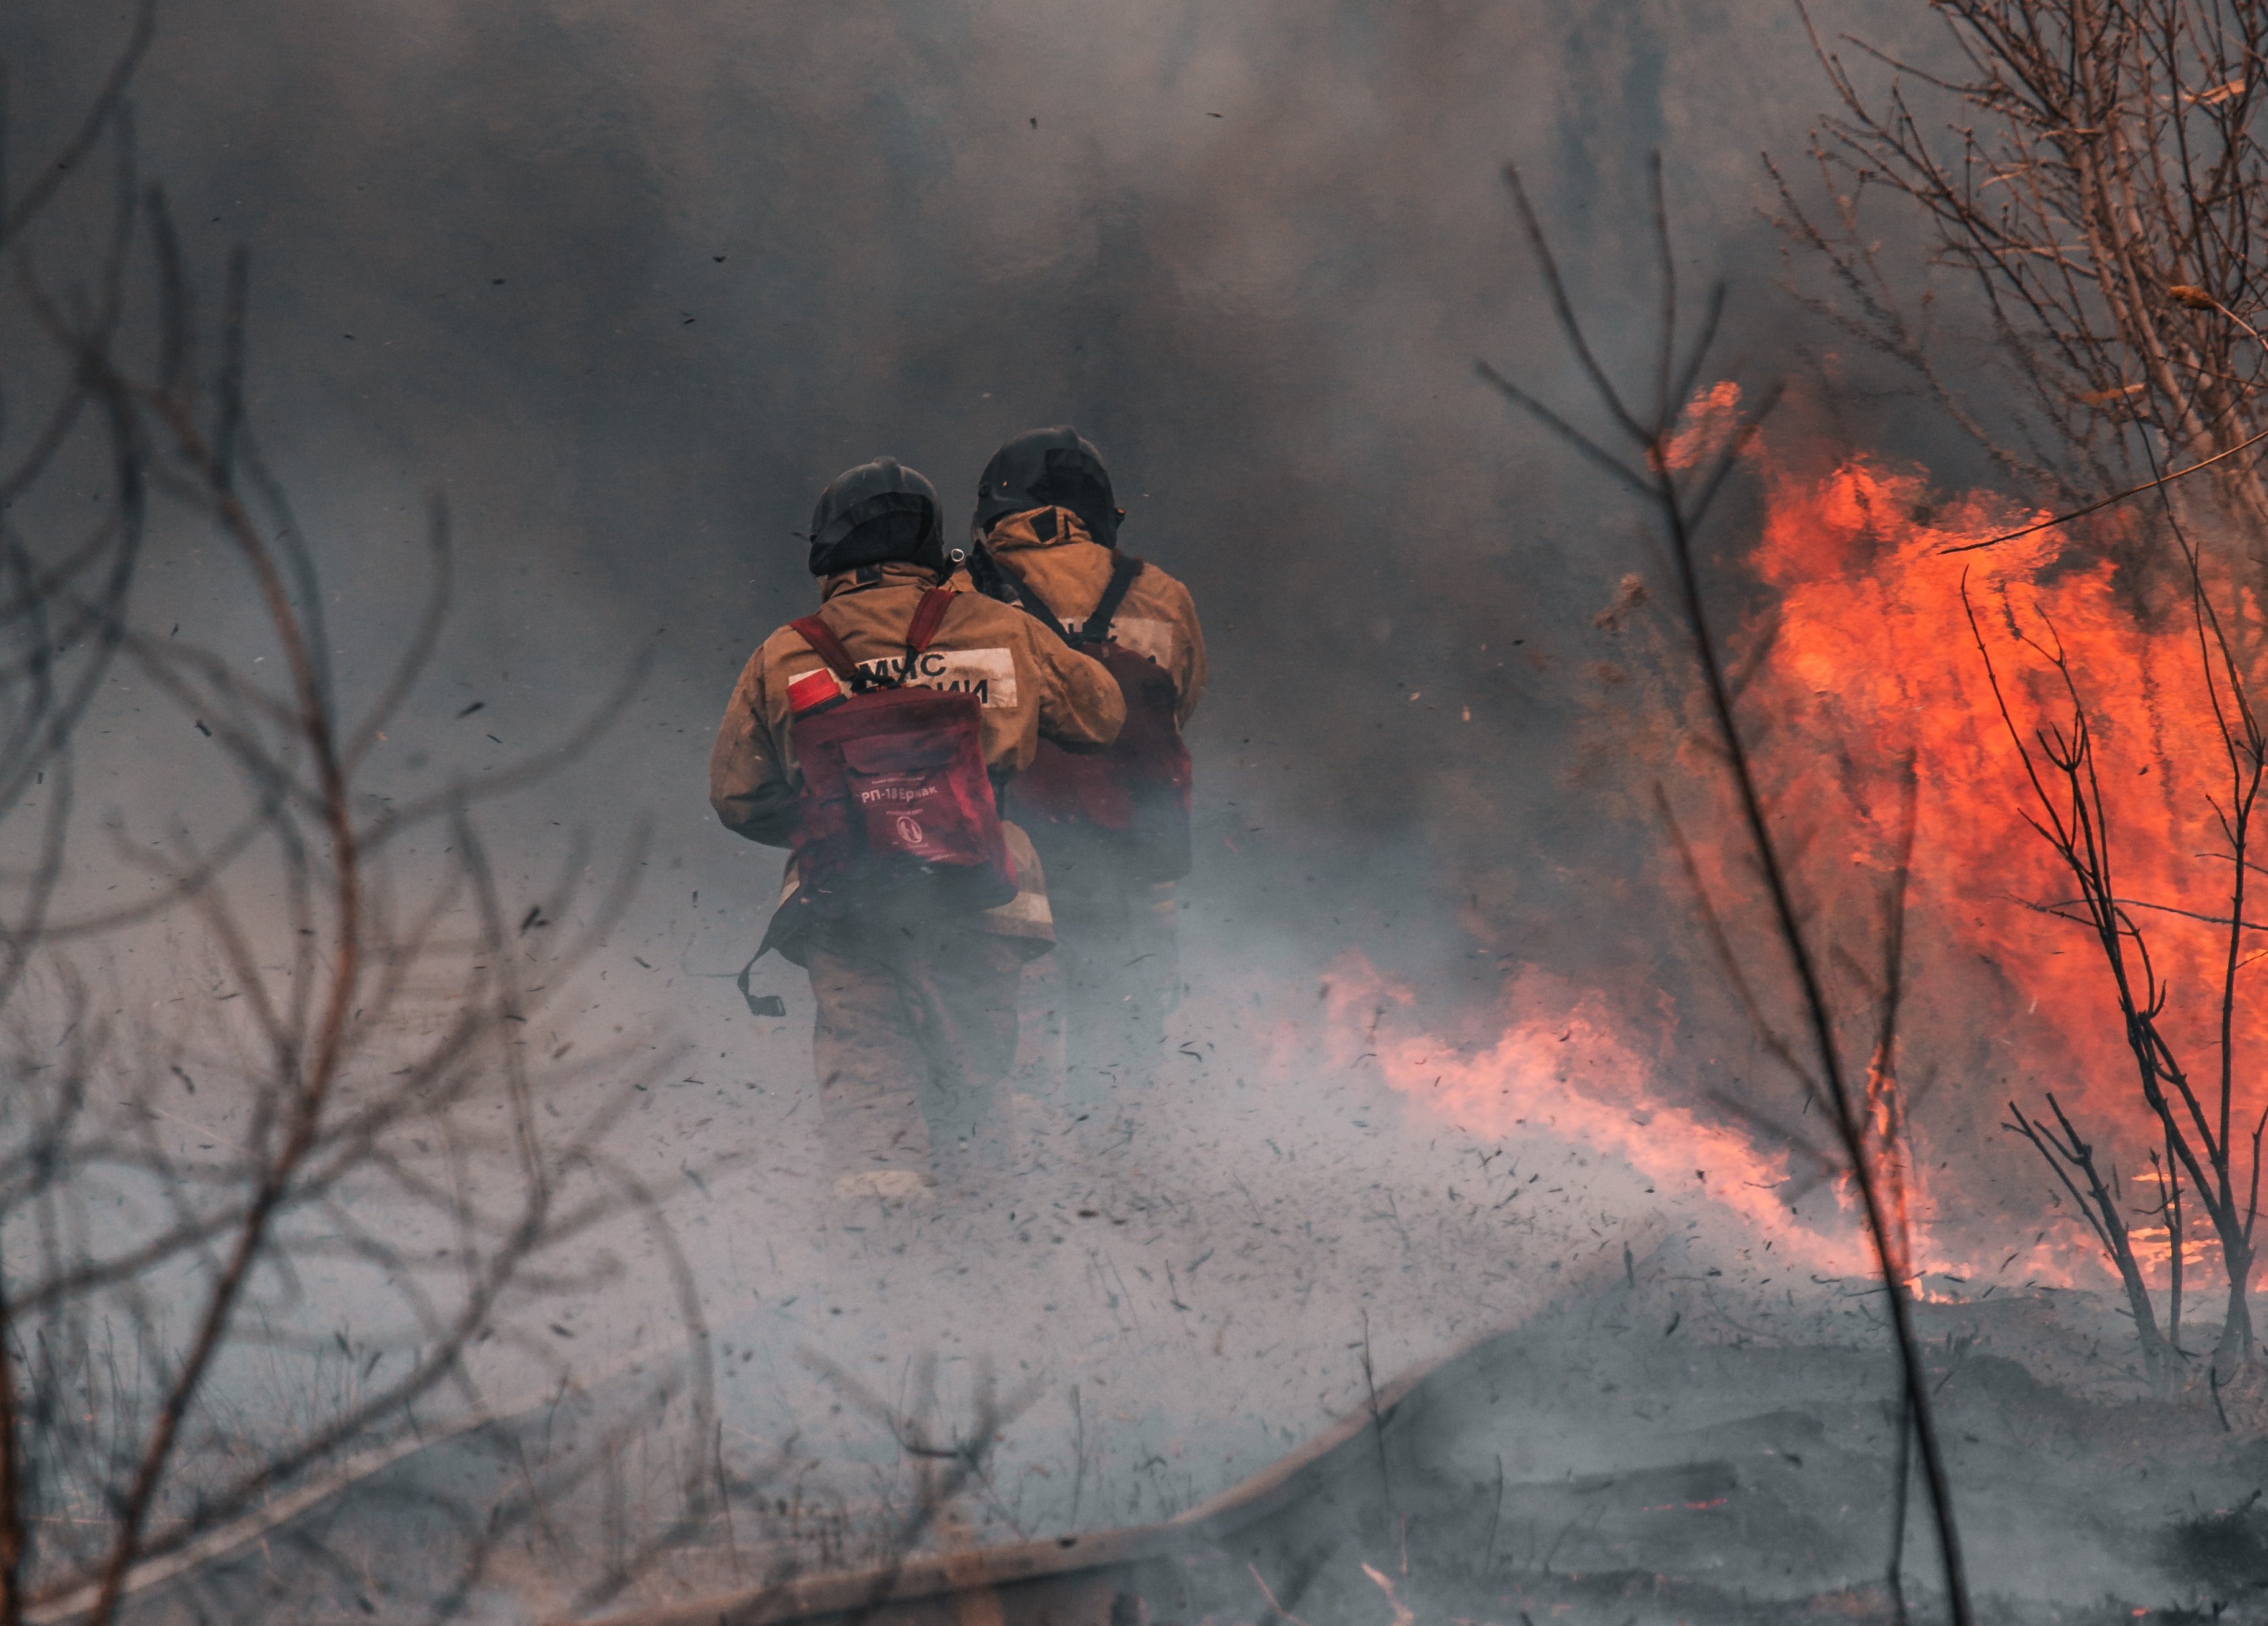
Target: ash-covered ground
[
  {"x": 1651, "y": 1441},
  {"x": 1630, "y": 1406}
]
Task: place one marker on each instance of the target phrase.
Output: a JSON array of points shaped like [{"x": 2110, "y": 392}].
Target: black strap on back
[
  {"x": 1123, "y": 568},
  {"x": 1035, "y": 606}
]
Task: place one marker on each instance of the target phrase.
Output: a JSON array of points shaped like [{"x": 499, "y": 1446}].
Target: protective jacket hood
[
  {"x": 878, "y": 513},
  {"x": 1047, "y": 468}
]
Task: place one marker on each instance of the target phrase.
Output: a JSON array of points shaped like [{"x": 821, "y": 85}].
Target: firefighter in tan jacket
[
  {"x": 916, "y": 990},
  {"x": 1045, "y": 531}
]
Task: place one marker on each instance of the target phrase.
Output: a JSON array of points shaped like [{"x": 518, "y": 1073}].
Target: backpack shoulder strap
[
  {"x": 1123, "y": 568},
  {"x": 827, "y": 647},
  {"x": 1033, "y": 605},
  {"x": 928, "y": 615}
]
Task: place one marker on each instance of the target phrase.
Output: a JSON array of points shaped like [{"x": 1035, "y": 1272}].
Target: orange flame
[
  {"x": 1873, "y": 659},
  {"x": 1563, "y": 1067},
  {"x": 1864, "y": 663}
]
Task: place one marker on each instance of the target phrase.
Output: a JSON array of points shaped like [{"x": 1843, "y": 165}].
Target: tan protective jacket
[
  {"x": 1050, "y": 550},
  {"x": 1025, "y": 680}
]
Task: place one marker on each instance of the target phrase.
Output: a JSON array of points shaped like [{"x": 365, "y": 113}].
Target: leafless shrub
[
  {"x": 2097, "y": 177},
  {"x": 341, "y": 1101},
  {"x": 2217, "y": 1158}
]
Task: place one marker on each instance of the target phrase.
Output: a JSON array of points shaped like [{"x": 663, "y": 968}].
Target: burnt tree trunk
[{"x": 2236, "y": 1346}]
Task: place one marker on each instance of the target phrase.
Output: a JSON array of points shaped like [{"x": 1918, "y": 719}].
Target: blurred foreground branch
[
  {"x": 1677, "y": 469},
  {"x": 338, "y": 1105}
]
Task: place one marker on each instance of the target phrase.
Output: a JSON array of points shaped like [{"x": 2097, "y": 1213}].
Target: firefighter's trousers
[
  {"x": 1115, "y": 977},
  {"x": 917, "y": 1027}
]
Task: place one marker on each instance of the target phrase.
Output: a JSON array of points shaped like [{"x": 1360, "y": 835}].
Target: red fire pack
[
  {"x": 895, "y": 791},
  {"x": 1133, "y": 795}
]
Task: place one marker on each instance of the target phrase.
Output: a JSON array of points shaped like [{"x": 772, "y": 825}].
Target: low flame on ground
[{"x": 1563, "y": 1069}]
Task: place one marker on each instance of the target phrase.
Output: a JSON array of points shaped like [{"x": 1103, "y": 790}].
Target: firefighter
[
  {"x": 872, "y": 739},
  {"x": 1113, "y": 829}
]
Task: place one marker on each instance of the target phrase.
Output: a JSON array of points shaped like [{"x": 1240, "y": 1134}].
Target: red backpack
[
  {"x": 895, "y": 791},
  {"x": 1133, "y": 795}
]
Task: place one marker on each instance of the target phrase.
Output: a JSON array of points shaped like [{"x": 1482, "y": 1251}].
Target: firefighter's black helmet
[
  {"x": 1047, "y": 468},
  {"x": 874, "y": 514}
]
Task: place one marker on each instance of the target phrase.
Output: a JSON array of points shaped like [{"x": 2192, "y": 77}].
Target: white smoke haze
[{"x": 627, "y": 283}]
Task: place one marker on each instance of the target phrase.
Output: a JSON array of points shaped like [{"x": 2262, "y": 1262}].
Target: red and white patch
[
  {"x": 989, "y": 675},
  {"x": 812, "y": 688}
]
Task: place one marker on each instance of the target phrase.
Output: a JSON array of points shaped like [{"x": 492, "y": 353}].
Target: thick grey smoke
[{"x": 629, "y": 282}]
